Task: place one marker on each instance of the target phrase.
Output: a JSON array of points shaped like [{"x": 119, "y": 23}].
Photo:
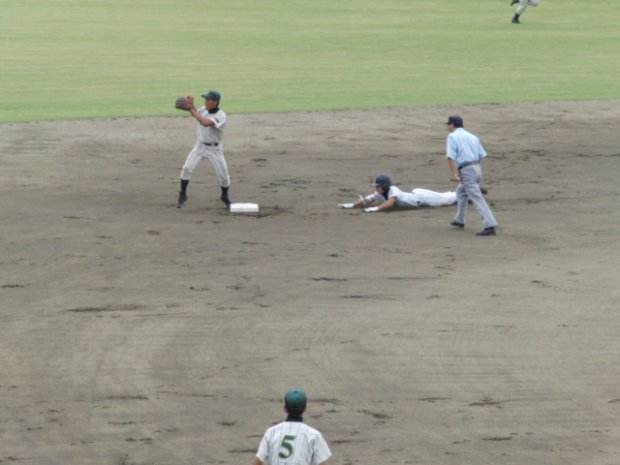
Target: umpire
[{"x": 465, "y": 152}]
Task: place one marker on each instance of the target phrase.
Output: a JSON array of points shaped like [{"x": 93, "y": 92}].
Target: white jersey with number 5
[{"x": 293, "y": 443}]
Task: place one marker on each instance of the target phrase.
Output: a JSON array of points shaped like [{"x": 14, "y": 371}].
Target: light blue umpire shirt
[{"x": 463, "y": 147}]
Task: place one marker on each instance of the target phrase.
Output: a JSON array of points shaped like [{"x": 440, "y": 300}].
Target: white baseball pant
[
  {"x": 434, "y": 199},
  {"x": 523, "y": 5},
  {"x": 215, "y": 155}
]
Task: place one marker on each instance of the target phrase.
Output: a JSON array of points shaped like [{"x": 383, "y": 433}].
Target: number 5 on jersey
[{"x": 286, "y": 447}]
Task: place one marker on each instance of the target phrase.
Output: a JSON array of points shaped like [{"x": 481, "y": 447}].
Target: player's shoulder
[
  {"x": 394, "y": 191},
  {"x": 293, "y": 427},
  {"x": 275, "y": 427},
  {"x": 219, "y": 116},
  {"x": 309, "y": 430}
]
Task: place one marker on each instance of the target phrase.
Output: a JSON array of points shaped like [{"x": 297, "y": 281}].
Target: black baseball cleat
[
  {"x": 484, "y": 191},
  {"x": 182, "y": 199},
  {"x": 224, "y": 197},
  {"x": 486, "y": 232},
  {"x": 515, "y": 20},
  {"x": 514, "y": 2},
  {"x": 456, "y": 224}
]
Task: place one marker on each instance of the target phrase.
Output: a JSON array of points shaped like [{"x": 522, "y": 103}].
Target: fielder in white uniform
[
  {"x": 391, "y": 196},
  {"x": 292, "y": 442},
  {"x": 211, "y": 123},
  {"x": 521, "y": 8}
]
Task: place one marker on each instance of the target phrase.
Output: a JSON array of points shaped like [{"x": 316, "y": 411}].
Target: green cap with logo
[
  {"x": 295, "y": 398},
  {"x": 212, "y": 95}
]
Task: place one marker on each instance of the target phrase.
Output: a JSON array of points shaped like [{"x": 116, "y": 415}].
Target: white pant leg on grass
[{"x": 523, "y": 5}]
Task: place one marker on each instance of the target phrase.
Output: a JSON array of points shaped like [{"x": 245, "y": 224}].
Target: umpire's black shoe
[
  {"x": 486, "y": 232},
  {"x": 182, "y": 199},
  {"x": 456, "y": 224},
  {"x": 514, "y": 2}
]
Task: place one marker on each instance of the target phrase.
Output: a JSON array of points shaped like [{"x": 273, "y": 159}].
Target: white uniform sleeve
[
  {"x": 219, "y": 119},
  {"x": 263, "y": 449},
  {"x": 481, "y": 152},
  {"x": 451, "y": 148},
  {"x": 375, "y": 197},
  {"x": 396, "y": 192},
  {"x": 320, "y": 450}
]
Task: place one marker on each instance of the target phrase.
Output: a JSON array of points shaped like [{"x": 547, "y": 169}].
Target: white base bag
[{"x": 244, "y": 208}]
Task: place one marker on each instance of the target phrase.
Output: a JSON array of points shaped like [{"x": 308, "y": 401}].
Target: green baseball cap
[
  {"x": 212, "y": 95},
  {"x": 295, "y": 398}
]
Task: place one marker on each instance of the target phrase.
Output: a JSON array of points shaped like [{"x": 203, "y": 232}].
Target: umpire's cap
[
  {"x": 295, "y": 398},
  {"x": 383, "y": 180},
  {"x": 212, "y": 95},
  {"x": 456, "y": 120}
]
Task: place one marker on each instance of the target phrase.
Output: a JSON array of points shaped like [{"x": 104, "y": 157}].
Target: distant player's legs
[{"x": 522, "y": 7}]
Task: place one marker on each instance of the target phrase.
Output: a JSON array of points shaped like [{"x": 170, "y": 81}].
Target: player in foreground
[
  {"x": 390, "y": 196},
  {"x": 292, "y": 441},
  {"x": 211, "y": 123}
]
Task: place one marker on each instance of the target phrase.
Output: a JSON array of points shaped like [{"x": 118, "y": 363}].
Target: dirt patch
[{"x": 133, "y": 332}]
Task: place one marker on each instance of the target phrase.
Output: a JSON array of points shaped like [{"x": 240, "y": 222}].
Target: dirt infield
[{"x": 135, "y": 333}]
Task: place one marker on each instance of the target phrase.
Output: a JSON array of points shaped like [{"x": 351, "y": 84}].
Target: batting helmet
[{"x": 383, "y": 180}]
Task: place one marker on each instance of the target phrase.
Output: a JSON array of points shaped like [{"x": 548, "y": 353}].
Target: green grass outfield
[{"x": 69, "y": 59}]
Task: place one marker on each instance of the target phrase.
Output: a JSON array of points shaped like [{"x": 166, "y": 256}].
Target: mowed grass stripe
[{"x": 91, "y": 59}]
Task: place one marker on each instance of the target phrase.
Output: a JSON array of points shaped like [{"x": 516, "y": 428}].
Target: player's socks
[{"x": 224, "y": 197}]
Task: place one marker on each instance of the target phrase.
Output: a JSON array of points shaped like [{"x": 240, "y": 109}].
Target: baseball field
[{"x": 136, "y": 333}]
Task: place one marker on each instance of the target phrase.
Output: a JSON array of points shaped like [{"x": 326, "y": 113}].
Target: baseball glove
[{"x": 182, "y": 104}]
